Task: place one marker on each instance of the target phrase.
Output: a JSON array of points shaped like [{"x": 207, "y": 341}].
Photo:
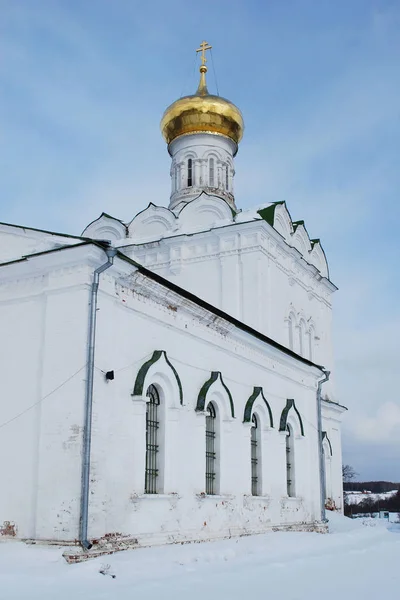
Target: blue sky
[{"x": 83, "y": 85}]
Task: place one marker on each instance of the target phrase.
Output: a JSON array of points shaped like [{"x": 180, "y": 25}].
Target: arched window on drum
[
  {"x": 211, "y": 172},
  {"x": 190, "y": 172}
]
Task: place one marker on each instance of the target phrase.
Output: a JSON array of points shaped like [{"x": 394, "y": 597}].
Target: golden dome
[{"x": 202, "y": 113}]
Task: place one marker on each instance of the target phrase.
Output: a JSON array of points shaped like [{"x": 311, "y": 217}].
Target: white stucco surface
[
  {"x": 210, "y": 305},
  {"x": 44, "y": 314}
]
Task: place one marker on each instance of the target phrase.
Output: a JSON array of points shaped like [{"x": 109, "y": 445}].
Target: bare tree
[{"x": 348, "y": 473}]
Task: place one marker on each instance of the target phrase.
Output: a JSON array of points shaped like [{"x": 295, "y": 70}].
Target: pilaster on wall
[
  {"x": 251, "y": 289},
  {"x": 171, "y": 474},
  {"x": 230, "y": 280}
]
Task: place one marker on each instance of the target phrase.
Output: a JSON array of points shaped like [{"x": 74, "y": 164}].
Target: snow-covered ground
[
  {"x": 357, "y": 497},
  {"x": 358, "y": 558}
]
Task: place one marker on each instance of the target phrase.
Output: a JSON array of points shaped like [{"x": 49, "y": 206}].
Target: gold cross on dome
[{"x": 203, "y": 47}]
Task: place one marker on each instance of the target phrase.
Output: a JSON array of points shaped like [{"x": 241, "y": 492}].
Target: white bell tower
[{"x": 202, "y": 132}]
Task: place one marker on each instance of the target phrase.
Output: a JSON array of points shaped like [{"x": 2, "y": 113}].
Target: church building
[{"x": 171, "y": 378}]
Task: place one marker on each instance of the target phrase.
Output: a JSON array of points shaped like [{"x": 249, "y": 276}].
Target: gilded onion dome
[{"x": 202, "y": 113}]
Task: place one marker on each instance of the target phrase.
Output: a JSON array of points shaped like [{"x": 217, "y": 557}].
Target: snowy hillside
[
  {"x": 359, "y": 555},
  {"x": 357, "y": 497}
]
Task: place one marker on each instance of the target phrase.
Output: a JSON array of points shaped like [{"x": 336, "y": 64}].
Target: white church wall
[
  {"x": 44, "y": 320},
  {"x": 182, "y": 511},
  {"x": 248, "y": 271},
  {"x": 331, "y": 424},
  {"x": 18, "y": 391},
  {"x": 135, "y": 318},
  {"x": 61, "y": 424}
]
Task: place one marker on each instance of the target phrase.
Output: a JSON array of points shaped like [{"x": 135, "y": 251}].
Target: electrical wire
[
  {"x": 41, "y": 400},
  {"x": 190, "y": 75},
  {"x": 215, "y": 74},
  {"x": 140, "y": 360}
]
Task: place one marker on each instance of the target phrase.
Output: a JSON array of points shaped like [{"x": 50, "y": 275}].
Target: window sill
[
  {"x": 290, "y": 500},
  {"x": 217, "y": 497},
  {"x": 137, "y": 497},
  {"x": 252, "y": 498}
]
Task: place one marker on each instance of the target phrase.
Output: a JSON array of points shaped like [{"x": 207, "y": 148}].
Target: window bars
[
  {"x": 211, "y": 178},
  {"x": 190, "y": 173},
  {"x": 254, "y": 456},
  {"x": 289, "y": 458},
  {"x": 210, "y": 449},
  {"x": 152, "y": 427}
]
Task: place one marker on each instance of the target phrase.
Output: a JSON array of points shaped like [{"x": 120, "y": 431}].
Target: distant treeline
[
  {"x": 376, "y": 487},
  {"x": 370, "y": 505}
]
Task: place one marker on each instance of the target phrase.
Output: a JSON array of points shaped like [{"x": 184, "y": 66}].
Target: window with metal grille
[
  {"x": 254, "y": 456},
  {"x": 211, "y": 455},
  {"x": 211, "y": 178},
  {"x": 152, "y": 448},
  {"x": 190, "y": 172},
  {"x": 289, "y": 461}
]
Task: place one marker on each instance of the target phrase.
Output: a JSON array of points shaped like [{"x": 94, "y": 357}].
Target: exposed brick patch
[{"x": 108, "y": 544}]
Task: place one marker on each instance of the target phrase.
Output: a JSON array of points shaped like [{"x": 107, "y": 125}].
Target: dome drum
[{"x": 202, "y": 132}]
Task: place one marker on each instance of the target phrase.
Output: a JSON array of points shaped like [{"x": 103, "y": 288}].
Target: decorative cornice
[
  {"x": 282, "y": 249},
  {"x": 253, "y": 349}
]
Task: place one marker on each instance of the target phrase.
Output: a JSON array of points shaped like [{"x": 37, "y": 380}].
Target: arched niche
[
  {"x": 204, "y": 212},
  {"x": 105, "y": 228},
  {"x": 282, "y": 221},
  {"x": 153, "y": 223},
  {"x": 300, "y": 239},
  {"x": 318, "y": 259}
]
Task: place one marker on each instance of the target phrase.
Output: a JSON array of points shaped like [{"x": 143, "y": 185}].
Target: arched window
[
  {"x": 227, "y": 177},
  {"x": 211, "y": 449},
  {"x": 290, "y": 461},
  {"x": 255, "y": 441},
  {"x": 190, "y": 173},
  {"x": 152, "y": 441},
  {"x": 290, "y": 327},
  {"x": 211, "y": 174},
  {"x": 302, "y": 340},
  {"x": 311, "y": 335}
]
